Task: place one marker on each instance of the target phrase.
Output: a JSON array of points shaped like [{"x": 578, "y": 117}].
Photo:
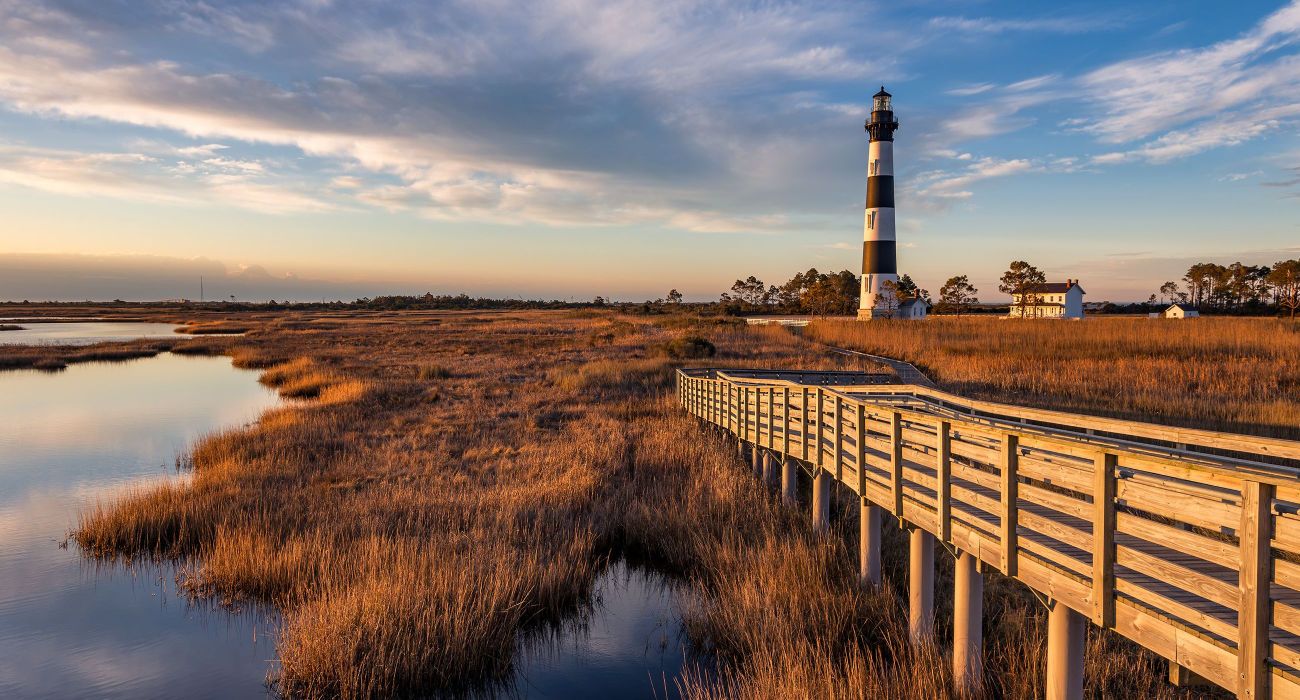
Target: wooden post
[
  {"x": 789, "y": 482},
  {"x": 770, "y": 476},
  {"x": 920, "y": 585},
  {"x": 838, "y": 462},
  {"x": 1255, "y": 577},
  {"x": 821, "y": 505},
  {"x": 803, "y": 424},
  {"x": 1065, "y": 643},
  {"x": 771, "y": 417},
  {"x": 747, "y": 402},
  {"x": 821, "y": 420},
  {"x": 943, "y": 474},
  {"x": 860, "y": 441},
  {"x": 1103, "y": 540},
  {"x": 967, "y": 623},
  {"x": 869, "y": 542},
  {"x": 731, "y": 410},
  {"x": 896, "y": 461},
  {"x": 1010, "y": 491},
  {"x": 785, "y": 421}
]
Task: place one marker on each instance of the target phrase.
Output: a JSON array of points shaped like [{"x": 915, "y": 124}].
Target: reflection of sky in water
[
  {"x": 72, "y": 628},
  {"x": 628, "y": 647},
  {"x": 82, "y": 332}
]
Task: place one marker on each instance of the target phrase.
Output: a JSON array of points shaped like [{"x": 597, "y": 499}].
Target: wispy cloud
[
  {"x": 144, "y": 177},
  {"x": 579, "y": 113},
  {"x": 1188, "y": 101},
  {"x": 999, "y": 25}
]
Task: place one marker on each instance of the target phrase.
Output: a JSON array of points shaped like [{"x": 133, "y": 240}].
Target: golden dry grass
[
  {"x": 411, "y": 528},
  {"x": 1233, "y": 374}
]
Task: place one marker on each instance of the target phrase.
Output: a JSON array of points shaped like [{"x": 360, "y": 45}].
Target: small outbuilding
[
  {"x": 914, "y": 309},
  {"x": 1181, "y": 311}
]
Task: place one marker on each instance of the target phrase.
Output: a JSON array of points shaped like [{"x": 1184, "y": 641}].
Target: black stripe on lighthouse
[
  {"x": 879, "y": 257},
  {"x": 880, "y": 191}
]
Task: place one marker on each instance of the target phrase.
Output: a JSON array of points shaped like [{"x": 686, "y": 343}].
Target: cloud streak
[
  {"x": 1180, "y": 103},
  {"x": 578, "y": 113}
]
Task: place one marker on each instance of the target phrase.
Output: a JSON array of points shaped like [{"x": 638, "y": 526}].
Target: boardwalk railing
[{"x": 1185, "y": 541}]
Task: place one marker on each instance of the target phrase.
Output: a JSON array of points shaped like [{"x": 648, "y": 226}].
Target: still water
[
  {"x": 628, "y": 646},
  {"x": 70, "y": 628},
  {"x": 82, "y": 332},
  {"x": 73, "y": 628}
]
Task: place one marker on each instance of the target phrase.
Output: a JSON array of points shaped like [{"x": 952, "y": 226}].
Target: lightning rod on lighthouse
[{"x": 879, "y": 254}]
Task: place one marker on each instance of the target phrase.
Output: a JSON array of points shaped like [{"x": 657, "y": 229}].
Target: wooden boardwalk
[{"x": 1185, "y": 541}]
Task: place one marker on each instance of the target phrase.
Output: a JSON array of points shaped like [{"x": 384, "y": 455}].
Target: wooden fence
[{"x": 1185, "y": 541}]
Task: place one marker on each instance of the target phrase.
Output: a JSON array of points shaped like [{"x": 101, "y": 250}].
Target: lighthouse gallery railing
[{"x": 1185, "y": 541}]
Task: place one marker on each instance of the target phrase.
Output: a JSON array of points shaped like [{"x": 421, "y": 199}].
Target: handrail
[{"x": 1195, "y": 555}]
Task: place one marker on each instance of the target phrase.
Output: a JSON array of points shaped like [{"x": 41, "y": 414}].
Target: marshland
[{"x": 437, "y": 493}]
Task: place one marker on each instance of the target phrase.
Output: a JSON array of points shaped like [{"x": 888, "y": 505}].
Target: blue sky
[{"x": 312, "y": 148}]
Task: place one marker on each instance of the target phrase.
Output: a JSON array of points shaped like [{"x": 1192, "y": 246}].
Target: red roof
[{"x": 1055, "y": 287}]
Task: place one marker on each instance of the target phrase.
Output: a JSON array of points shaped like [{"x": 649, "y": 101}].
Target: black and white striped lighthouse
[{"x": 879, "y": 258}]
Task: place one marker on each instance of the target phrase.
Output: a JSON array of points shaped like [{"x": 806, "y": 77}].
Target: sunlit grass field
[
  {"x": 447, "y": 482},
  {"x": 1232, "y": 374}
]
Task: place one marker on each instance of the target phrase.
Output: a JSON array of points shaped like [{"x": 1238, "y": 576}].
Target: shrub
[
  {"x": 432, "y": 372},
  {"x": 690, "y": 347}
]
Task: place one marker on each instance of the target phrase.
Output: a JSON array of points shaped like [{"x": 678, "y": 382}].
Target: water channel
[{"x": 72, "y": 627}]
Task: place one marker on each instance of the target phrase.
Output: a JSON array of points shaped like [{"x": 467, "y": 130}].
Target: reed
[
  {"x": 1232, "y": 374},
  {"x": 412, "y": 535}
]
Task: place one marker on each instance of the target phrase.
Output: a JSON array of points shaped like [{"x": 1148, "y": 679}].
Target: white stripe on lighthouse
[{"x": 878, "y": 239}]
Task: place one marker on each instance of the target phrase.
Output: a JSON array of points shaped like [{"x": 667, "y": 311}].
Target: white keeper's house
[
  {"x": 1051, "y": 300},
  {"x": 1181, "y": 311}
]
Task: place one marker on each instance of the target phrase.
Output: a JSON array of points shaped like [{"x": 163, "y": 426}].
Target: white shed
[
  {"x": 915, "y": 309},
  {"x": 1181, "y": 311}
]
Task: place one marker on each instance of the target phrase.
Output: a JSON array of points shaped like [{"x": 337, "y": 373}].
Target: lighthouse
[{"x": 879, "y": 258}]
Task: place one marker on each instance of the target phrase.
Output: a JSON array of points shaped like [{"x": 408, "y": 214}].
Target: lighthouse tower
[{"x": 879, "y": 259}]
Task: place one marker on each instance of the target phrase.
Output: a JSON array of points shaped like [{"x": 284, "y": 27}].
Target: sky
[{"x": 309, "y": 149}]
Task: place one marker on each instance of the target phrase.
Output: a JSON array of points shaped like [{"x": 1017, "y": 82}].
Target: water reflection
[
  {"x": 82, "y": 332},
  {"x": 629, "y": 645},
  {"x": 73, "y": 628}
]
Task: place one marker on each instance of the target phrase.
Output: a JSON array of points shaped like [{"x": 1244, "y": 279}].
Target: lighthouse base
[{"x": 868, "y": 314}]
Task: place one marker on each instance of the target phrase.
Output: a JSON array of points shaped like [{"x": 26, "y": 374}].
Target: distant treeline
[
  {"x": 1237, "y": 288},
  {"x": 1229, "y": 289}
]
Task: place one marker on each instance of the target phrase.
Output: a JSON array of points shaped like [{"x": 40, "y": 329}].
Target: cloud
[
  {"x": 969, "y": 90},
  {"x": 938, "y": 189},
  {"x": 147, "y": 277},
  {"x": 144, "y": 177},
  {"x": 1050, "y": 25},
  {"x": 581, "y": 112},
  {"x": 1191, "y": 100}
]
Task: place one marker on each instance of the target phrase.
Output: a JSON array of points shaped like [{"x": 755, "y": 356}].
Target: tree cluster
[{"x": 1237, "y": 287}]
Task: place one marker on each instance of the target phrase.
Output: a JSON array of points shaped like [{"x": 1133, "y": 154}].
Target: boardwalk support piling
[
  {"x": 770, "y": 476},
  {"x": 1065, "y": 642},
  {"x": 967, "y": 623},
  {"x": 789, "y": 482},
  {"x": 869, "y": 544},
  {"x": 920, "y": 588},
  {"x": 821, "y": 505},
  {"x": 756, "y": 461}
]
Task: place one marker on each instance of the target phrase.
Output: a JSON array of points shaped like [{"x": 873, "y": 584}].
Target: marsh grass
[
  {"x": 429, "y": 373},
  {"x": 57, "y": 357},
  {"x": 1232, "y": 374},
  {"x": 412, "y": 539}
]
